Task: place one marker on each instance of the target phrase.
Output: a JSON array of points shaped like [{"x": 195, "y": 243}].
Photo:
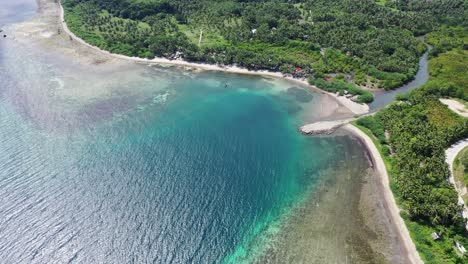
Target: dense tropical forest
[
  {"x": 363, "y": 43},
  {"x": 413, "y": 133}
]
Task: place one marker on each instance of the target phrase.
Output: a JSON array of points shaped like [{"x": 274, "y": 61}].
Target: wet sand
[{"x": 392, "y": 212}]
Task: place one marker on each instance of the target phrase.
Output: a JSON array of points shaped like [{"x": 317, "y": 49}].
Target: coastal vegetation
[
  {"x": 371, "y": 43},
  {"x": 460, "y": 171},
  {"x": 412, "y": 134},
  {"x": 342, "y": 87}
]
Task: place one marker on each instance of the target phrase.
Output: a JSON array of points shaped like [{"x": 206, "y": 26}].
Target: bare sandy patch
[{"x": 455, "y": 106}]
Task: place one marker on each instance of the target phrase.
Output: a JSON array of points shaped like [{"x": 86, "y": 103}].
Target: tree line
[
  {"x": 413, "y": 133},
  {"x": 377, "y": 44}
]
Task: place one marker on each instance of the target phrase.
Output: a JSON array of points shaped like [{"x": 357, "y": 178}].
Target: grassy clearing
[
  {"x": 451, "y": 68},
  {"x": 441, "y": 116},
  {"x": 209, "y": 38},
  {"x": 381, "y": 2}
]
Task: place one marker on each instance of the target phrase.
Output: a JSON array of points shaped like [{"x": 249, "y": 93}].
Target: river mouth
[
  {"x": 383, "y": 98},
  {"x": 115, "y": 162}
]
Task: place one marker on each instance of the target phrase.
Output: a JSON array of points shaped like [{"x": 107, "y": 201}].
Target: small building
[
  {"x": 435, "y": 236},
  {"x": 327, "y": 79}
]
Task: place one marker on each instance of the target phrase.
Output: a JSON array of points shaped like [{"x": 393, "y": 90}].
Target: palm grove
[
  {"x": 413, "y": 133},
  {"x": 372, "y": 44}
]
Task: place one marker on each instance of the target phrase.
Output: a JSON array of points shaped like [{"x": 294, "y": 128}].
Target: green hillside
[{"x": 373, "y": 43}]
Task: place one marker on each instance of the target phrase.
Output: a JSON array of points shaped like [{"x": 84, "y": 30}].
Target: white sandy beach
[
  {"x": 50, "y": 30},
  {"x": 355, "y": 108},
  {"x": 390, "y": 203}
]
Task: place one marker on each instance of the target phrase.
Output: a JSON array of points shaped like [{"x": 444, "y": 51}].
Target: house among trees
[
  {"x": 435, "y": 236},
  {"x": 460, "y": 248}
]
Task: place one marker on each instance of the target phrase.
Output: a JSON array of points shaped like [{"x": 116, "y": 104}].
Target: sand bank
[
  {"x": 390, "y": 203},
  {"x": 324, "y": 127}
]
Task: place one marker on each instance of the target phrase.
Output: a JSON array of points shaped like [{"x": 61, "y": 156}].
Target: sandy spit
[{"x": 324, "y": 127}]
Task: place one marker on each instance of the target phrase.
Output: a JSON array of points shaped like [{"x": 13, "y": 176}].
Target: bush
[
  {"x": 386, "y": 150},
  {"x": 340, "y": 86},
  {"x": 367, "y": 97},
  {"x": 464, "y": 161},
  {"x": 374, "y": 125},
  {"x": 402, "y": 97}
]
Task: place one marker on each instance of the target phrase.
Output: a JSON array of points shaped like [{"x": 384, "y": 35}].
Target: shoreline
[
  {"x": 451, "y": 154},
  {"x": 353, "y": 107},
  {"x": 390, "y": 204},
  {"x": 387, "y": 194}
]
